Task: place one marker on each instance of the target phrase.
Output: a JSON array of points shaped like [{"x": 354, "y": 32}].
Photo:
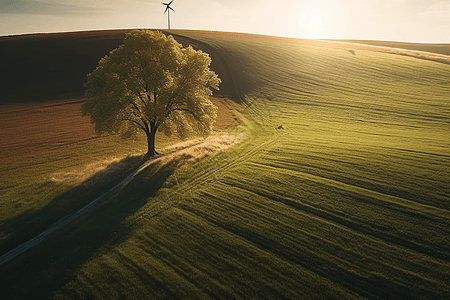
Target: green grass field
[
  {"x": 340, "y": 190},
  {"x": 433, "y": 48}
]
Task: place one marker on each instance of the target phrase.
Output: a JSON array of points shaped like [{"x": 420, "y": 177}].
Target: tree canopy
[{"x": 152, "y": 83}]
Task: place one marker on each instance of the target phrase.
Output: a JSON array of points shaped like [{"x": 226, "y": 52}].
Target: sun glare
[
  {"x": 314, "y": 23},
  {"x": 315, "y": 20}
]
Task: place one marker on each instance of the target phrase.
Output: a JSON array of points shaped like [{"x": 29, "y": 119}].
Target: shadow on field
[
  {"x": 38, "y": 67},
  {"x": 44, "y": 268},
  {"x": 235, "y": 82},
  {"x": 88, "y": 185}
]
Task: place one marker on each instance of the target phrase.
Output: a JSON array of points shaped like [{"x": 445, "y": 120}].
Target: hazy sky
[{"x": 398, "y": 20}]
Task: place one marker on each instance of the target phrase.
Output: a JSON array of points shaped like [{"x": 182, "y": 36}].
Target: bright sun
[
  {"x": 315, "y": 20},
  {"x": 314, "y": 23}
]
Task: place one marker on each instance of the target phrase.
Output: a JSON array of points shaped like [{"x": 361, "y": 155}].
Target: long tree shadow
[
  {"x": 32, "y": 222},
  {"x": 47, "y": 266}
]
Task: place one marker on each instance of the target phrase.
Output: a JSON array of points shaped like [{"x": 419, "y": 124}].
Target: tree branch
[
  {"x": 135, "y": 106},
  {"x": 142, "y": 84},
  {"x": 142, "y": 99},
  {"x": 135, "y": 122},
  {"x": 154, "y": 99},
  {"x": 148, "y": 97},
  {"x": 177, "y": 93},
  {"x": 145, "y": 87}
]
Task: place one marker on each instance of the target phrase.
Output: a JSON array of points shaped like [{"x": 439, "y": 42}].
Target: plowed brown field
[{"x": 38, "y": 128}]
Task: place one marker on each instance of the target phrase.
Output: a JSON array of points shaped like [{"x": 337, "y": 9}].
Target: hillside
[
  {"x": 46, "y": 67},
  {"x": 42, "y": 67},
  {"x": 433, "y": 48},
  {"x": 339, "y": 190}
]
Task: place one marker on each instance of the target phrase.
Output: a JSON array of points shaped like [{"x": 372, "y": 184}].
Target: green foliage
[{"x": 151, "y": 82}]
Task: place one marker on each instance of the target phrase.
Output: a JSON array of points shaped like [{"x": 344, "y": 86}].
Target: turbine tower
[{"x": 168, "y": 9}]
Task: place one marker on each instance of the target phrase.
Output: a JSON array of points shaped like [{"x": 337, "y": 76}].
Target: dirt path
[{"x": 191, "y": 152}]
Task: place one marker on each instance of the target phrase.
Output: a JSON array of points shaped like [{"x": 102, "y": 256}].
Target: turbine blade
[
  {"x": 171, "y": 8},
  {"x": 164, "y": 3},
  {"x": 167, "y": 8},
  {"x": 170, "y": 2}
]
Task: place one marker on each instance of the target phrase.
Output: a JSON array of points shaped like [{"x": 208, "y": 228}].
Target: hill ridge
[{"x": 57, "y": 66}]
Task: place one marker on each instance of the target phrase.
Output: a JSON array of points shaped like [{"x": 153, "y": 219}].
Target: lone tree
[{"x": 149, "y": 83}]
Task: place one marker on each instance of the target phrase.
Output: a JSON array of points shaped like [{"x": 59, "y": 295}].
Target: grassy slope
[
  {"x": 349, "y": 200},
  {"x": 434, "y": 48}
]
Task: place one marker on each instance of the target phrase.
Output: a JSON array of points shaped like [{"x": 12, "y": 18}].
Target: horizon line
[{"x": 226, "y": 31}]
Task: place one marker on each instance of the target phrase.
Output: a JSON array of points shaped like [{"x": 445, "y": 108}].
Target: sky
[{"x": 426, "y": 21}]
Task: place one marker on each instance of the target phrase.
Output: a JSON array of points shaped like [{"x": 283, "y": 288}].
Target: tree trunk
[{"x": 151, "y": 143}]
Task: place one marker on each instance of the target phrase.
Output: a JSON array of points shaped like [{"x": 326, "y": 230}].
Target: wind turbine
[{"x": 168, "y": 9}]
